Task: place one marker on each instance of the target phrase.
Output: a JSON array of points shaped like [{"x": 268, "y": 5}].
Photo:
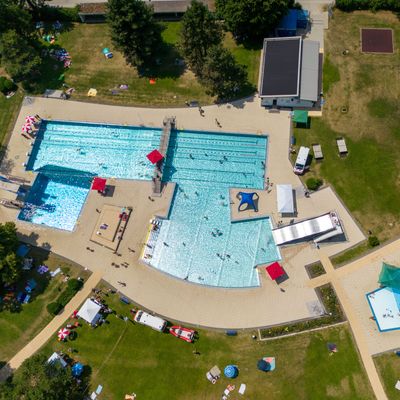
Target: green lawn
[
  {"x": 8, "y": 113},
  {"x": 367, "y": 85},
  {"x": 388, "y": 366},
  {"x": 124, "y": 357},
  {"x": 174, "y": 84},
  {"x": 19, "y": 327}
]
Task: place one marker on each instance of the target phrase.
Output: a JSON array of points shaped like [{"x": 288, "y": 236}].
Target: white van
[
  {"x": 153, "y": 322},
  {"x": 301, "y": 160}
]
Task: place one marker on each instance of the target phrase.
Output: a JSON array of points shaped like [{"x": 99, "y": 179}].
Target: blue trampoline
[
  {"x": 247, "y": 200},
  {"x": 231, "y": 371}
]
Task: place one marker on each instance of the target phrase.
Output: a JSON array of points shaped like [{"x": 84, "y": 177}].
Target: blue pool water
[{"x": 204, "y": 166}]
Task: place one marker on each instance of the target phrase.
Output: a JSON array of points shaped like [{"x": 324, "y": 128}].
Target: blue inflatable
[
  {"x": 77, "y": 369},
  {"x": 231, "y": 371},
  {"x": 247, "y": 200}
]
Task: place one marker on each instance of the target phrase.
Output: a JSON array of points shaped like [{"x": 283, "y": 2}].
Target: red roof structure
[
  {"x": 275, "y": 270},
  {"x": 155, "y": 156},
  {"x": 99, "y": 184}
]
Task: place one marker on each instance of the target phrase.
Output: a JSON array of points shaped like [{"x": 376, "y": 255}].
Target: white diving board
[{"x": 314, "y": 227}]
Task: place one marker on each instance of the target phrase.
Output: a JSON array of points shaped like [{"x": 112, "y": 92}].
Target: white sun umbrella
[{"x": 30, "y": 119}]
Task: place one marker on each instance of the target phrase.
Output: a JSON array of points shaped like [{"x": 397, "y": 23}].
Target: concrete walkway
[
  {"x": 332, "y": 276},
  {"x": 49, "y": 331}
]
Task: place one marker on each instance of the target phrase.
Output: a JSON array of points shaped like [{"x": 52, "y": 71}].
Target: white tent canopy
[
  {"x": 284, "y": 194},
  {"x": 56, "y": 358},
  {"x": 90, "y": 311}
]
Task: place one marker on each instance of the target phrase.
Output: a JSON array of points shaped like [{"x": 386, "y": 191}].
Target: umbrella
[
  {"x": 63, "y": 333},
  {"x": 231, "y": 371},
  {"x": 30, "y": 119},
  {"x": 27, "y": 128},
  {"x": 155, "y": 156},
  {"x": 99, "y": 184},
  {"x": 77, "y": 369},
  {"x": 263, "y": 365}
]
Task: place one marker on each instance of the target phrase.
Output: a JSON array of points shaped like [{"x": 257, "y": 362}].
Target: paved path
[
  {"x": 332, "y": 276},
  {"x": 38, "y": 341}
]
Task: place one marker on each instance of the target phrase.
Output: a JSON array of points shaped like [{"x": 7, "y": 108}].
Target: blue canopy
[
  {"x": 77, "y": 369},
  {"x": 106, "y": 50},
  {"x": 231, "y": 371},
  {"x": 263, "y": 365},
  {"x": 248, "y": 200}
]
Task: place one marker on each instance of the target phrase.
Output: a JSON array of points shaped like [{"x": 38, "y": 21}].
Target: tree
[
  {"x": 134, "y": 30},
  {"x": 19, "y": 57},
  {"x": 200, "y": 31},
  {"x": 9, "y": 262},
  {"x": 37, "y": 380},
  {"x": 222, "y": 75},
  {"x": 252, "y": 20},
  {"x": 14, "y": 17}
]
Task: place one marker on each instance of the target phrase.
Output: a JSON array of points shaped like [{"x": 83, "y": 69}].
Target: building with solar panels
[{"x": 290, "y": 73}]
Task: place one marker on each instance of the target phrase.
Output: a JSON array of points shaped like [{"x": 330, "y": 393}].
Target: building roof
[
  {"x": 280, "y": 74},
  {"x": 284, "y": 195},
  {"x": 309, "y": 70}
]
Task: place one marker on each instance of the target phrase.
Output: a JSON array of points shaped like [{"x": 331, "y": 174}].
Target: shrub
[
  {"x": 74, "y": 284},
  {"x": 61, "y": 14},
  {"x": 66, "y": 296},
  {"x": 6, "y": 85},
  {"x": 373, "y": 241},
  {"x": 54, "y": 308},
  {"x": 313, "y": 183}
]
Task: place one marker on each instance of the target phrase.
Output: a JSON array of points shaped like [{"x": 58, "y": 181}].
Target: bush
[
  {"x": 6, "y": 85},
  {"x": 66, "y": 296},
  {"x": 313, "y": 183},
  {"x": 373, "y": 241},
  {"x": 54, "y": 308},
  {"x": 350, "y": 5},
  {"x": 74, "y": 284}
]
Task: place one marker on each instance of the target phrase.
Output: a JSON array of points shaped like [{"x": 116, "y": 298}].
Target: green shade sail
[
  {"x": 390, "y": 276},
  {"x": 300, "y": 116}
]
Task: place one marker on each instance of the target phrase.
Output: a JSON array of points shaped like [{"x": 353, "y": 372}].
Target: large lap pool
[{"x": 203, "y": 164}]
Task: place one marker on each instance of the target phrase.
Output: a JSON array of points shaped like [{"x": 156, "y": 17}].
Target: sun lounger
[
  {"x": 242, "y": 388},
  {"x": 227, "y": 392},
  {"x": 341, "y": 144},
  {"x": 54, "y": 273}
]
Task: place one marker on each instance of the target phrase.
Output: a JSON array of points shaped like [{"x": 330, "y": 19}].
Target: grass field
[
  {"x": 125, "y": 358},
  {"x": 368, "y": 86},
  {"x": 8, "y": 113},
  {"x": 18, "y": 328},
  {"x": 90, "y": 69},
  {"x": 388, "y": 366}
]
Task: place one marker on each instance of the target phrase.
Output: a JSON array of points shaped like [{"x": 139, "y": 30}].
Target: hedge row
[
  {"x": 333, "y": 316},
  {"x": 63, "y": 299},
  {"x": 351, "y": 5},
  {"x": 47, "y": 13}
]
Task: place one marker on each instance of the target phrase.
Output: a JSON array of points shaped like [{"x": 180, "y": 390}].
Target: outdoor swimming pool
[{"x": 201, "y": 244}]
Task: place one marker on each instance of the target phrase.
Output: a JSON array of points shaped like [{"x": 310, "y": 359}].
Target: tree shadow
[
  {"x": 50, "y": 74},
  {"x": 6, "y": 164},
  {"x": 167, "y": 64}
]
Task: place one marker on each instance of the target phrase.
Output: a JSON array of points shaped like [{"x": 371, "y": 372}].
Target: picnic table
[
  {"x": 341, "y": 144},
  {"x": 317, "y": 150}
]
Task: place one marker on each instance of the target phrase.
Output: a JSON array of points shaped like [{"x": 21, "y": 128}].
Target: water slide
[{"x": 318, "y": 228}]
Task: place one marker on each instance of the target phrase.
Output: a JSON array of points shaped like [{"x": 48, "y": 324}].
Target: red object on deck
[
  {"x": 99, "y": 184},
  {"x": 155, "y": 156},
  {"x": 275, "y": 270}
]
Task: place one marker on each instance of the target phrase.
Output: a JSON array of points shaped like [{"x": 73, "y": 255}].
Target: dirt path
[{"x": 38, "y": 341}]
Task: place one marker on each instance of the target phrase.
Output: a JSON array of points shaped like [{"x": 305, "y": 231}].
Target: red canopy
[
  {"x": 99, "y": 184},
  {"x": 275, "y": 270},
  {"x": 155, "y": 156}
]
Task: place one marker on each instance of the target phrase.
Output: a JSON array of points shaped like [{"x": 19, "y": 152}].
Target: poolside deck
[{"x": 174, "y": 298}]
